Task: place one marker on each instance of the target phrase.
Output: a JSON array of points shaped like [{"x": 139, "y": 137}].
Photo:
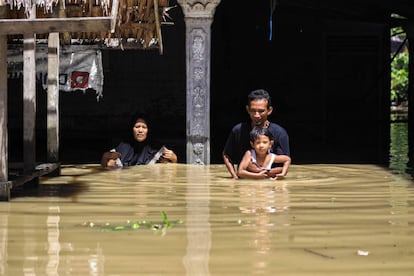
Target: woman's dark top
[{"x": 135, "y": 153}]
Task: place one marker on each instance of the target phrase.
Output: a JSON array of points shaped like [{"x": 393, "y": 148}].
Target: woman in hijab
[{"x": 138, "y": 148}]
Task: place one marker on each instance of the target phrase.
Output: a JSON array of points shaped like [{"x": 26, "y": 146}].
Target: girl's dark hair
[{"x": 257, "y": 131}]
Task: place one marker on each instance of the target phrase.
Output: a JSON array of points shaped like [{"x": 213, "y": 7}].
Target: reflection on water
[
  {"x": 320, "y": 220},
  {"x": 399, "y": 146},
  {"x": 197, "y": 198},
  {"x": 398, "y": 160}
]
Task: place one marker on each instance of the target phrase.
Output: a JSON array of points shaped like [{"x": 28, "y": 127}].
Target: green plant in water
[{"x": 155, "y": 226}]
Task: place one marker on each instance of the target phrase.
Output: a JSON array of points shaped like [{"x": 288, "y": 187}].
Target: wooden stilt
[
  {"x": 4, "y": 185},
  {"x": 29, "y": 102},
  {"x": 53, "y": 98},
  {"x": 158, "y": 27}
]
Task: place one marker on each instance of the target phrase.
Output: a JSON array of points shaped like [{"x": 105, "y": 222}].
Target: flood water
[{"x": 178, "y": 219}]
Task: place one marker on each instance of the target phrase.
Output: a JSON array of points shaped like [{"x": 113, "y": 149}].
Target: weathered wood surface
[
  {"x": 51, "y": 25},
  {"x": 158, "y": 26},
  {"x": 29, "y": 101},
  {"x": 53, "y": 98},
  {"x": 60, "y": 24},
  {"x": 138, "y": 20},
  {"x": 3, "y": 109},
  {"x": 4, "y": 171}
]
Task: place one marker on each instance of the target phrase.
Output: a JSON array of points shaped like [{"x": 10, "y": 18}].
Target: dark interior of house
[{"x": 325, "y": 64}]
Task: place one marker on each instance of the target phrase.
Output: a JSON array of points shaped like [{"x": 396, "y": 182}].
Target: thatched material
[{"x": 138, "y": 22}]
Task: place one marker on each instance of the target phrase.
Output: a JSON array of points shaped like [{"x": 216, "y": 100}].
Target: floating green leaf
[{"x": 155, "y": 226}]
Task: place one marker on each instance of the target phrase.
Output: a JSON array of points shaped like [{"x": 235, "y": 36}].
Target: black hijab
[{"x": 134, "y": 152}]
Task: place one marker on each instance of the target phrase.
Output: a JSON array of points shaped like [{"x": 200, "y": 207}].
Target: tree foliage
[
  {"x": 399, "y": 70},
  {"x": 399, "y": 77}
]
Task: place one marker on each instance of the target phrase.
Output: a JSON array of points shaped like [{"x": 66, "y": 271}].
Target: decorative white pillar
[{"x": 198, "y": 16}]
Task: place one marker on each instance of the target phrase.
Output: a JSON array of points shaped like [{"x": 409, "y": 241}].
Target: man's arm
[
  {"x": 282, "y": 148},
  {"x": 230, "y": 166},
  {"x": 286, "y": 163},
  {"x": 280, "y": 171}
]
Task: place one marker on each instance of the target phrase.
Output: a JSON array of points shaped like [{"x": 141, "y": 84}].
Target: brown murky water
[{"x": 320, "y": 220}]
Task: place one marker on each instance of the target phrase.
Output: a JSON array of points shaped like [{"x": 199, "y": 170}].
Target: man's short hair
[{"x": 259, "y": 94}]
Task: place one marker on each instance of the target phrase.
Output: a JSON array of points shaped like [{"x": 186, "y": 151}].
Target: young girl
[{"x": 261, "y": 140}]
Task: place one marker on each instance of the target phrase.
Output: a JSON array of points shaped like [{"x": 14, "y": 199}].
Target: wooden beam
[
  {"x": 37, "y": 171},
  {"x": 60, "y": 25},
  {"x": 51, "y": 25}
]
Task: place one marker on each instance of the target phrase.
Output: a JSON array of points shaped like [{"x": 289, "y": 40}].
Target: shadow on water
[
  {"x": 52, "y": 190},
  {"x": 69, "y": 187}
]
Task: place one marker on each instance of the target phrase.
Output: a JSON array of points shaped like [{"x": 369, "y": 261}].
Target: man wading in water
[{"x": 259, "y": 107}]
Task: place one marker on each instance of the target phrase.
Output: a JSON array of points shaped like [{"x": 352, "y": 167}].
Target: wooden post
[
  {"x": 158, "y": 27},
  {"x": 3, "y": 110},
  {"x": 53, "y": 98},
  {"x": 29, "y": 98},
  {"x": 4, "y": 169}
]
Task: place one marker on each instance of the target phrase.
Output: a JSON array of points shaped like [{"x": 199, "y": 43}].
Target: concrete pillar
[{"x": 198, "y": 16}]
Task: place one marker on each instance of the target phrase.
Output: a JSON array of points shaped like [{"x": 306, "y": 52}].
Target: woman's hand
[
  {"x": 108, "y": 159},
  {"x": 168, "y": 156}
]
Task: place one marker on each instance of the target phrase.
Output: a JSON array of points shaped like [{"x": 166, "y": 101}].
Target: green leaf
[
  {"x": 119, "y": 227},
  {"x": 165, "y": 219}
]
